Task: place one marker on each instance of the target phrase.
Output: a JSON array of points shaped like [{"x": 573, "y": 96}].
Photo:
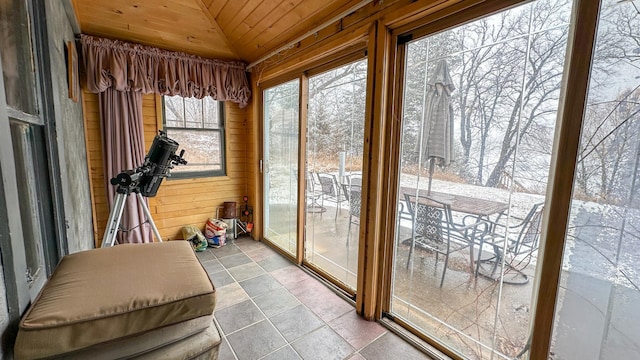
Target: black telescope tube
[
  {"x": 156, "y": 164},
  {"x": 161, "y": 150}
]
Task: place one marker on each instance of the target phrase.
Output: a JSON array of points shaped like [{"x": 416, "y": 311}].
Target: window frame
[
  {"x": 580, "y": 47},
  {"x": 223, "y": 147},
  {"x": 19, "y": 290},
  {"x": 382, "y": 137},
  {"x": 302, "y": 74}
]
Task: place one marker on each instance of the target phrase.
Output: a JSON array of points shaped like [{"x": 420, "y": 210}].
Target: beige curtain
[
  {"x": 123, "y": 149},
  {"x": 121, "y": 72},
  {"x": 132, "y": 67}
]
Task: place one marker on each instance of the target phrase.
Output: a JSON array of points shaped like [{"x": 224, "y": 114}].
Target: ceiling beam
[
  {"x": 217, "y": 27},
  {"x": 292, "y": 43}
]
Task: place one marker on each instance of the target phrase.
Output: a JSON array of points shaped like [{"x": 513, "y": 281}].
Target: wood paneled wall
[{"x": 178, "y": 202}]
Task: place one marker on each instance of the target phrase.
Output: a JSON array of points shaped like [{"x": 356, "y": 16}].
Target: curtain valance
[{"x": 126, "y": 66}]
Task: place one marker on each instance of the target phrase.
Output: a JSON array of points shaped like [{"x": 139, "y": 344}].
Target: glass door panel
[
  {"x": 35, "y": 208},
  {"x": 479, "y": 112},
  {"x": 280, "y": 164},
  {"x": 17, "y": 56},
  {"x": 598, "y": 306},
  {"x": 29, "y": 138},
  {"x": 335, "y": 140}
]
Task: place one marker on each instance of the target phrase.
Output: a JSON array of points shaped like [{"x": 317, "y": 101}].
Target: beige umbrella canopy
[{"x": 436, "y": 140}]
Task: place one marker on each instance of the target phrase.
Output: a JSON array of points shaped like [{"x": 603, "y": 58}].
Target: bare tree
[
  {"x": 609, "y": 145},
  {"x": 611, "y": 141},
  {"x": 336, "y": 115},
  {"x": 507, "y": 69},
  {"x": 536, "y": 103}
]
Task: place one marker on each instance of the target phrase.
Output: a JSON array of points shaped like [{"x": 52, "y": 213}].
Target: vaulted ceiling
[{"x": 224, "y": 29}]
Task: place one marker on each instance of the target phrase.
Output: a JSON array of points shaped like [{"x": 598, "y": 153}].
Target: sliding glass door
[
  {"x": 480, "y": 103},
  {"x": 335, "y": 133},
  {"x": 280, "y": 165},
  {"x": 598, "y": 305}
]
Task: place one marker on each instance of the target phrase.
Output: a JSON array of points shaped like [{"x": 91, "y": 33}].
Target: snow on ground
[{"x": 594, "y": 246}]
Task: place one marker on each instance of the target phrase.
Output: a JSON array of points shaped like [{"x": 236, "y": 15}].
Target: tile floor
[{"x": 268, "y": 308}]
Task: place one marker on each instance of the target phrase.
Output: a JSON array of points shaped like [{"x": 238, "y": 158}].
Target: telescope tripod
[{"x": 115, "y": 216}]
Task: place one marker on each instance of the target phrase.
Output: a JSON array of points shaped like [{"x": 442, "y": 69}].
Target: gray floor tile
[
  {"x": 255, "y": 341},
  {"x": 274, "y": 263},
  {"x": 295, "y": 311},
  {"x": 234, "y": 260},
  {"x": 388, "y": 346},
  {"x": 290, "y": 275},
  {"x": 325, "y": 344},
  {"x": 286, "y": 353},
  {"x": 357, "y": 331},
  {"x": 229, "y": 249},
  {"x": 297, "y": 322},
  {"x": 324, "y": 302},
  {"x": 229, "y": 295},
  {"x": 260, "y": 285},
  {"x": 247, "y": 244},
  {"x": 246, "y": 271},
  {"x": 261, "y": 254},
  {"x": 225, "y": 351},
  {"x": 276, "y": 301},
  {"x": 221, "y": 278},
  {"x": 212, "y": 266},
  {"x": 238, "y": 316},
  {"x": 205, "y": 255}
]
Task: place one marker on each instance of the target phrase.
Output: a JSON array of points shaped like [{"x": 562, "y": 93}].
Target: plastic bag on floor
[
  {"x": 193, "y": 234},
  {"x": 215, "y": 231}
]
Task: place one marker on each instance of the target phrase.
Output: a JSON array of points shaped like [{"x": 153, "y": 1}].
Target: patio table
[
  {"x": 459, "y": 203},
  {"x": 479, "y": 208}
]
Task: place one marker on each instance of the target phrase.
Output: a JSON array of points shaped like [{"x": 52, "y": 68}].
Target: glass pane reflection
[
  {"x": 479, "y": 112},
  {"x": 598, "y": 308},
  {"x": 280, "y": 169}
]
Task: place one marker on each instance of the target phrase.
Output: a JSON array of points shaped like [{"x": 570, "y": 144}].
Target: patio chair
[
  {"x": 434, "y": 229},
  {"x": 353, "y": 194},
  {"x": 355, "y": 180},
  {"x": 313, "y": 193},
  {"x": 521, "y": 247},
  {"x": 330, "y": 190}
]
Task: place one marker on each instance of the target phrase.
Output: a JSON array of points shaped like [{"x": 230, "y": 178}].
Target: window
[
  {"x": 198, "y": 126},
  {"x": 600, "y": 276},
  {"x": 32, "y": 239},
  {"x": 480, "y": 101},
  {"x": 334, "y": 153},
  {"x": 281, "y": 131},
  {"x": 17, "y": 56}
]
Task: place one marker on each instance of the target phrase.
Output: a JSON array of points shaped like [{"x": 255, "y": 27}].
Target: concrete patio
[{"x": 475, "y": 314}]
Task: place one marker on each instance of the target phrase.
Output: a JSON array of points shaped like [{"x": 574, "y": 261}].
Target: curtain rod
[
  {"x": 291, "y": 43},
  {"x": 124, "y": 45}
]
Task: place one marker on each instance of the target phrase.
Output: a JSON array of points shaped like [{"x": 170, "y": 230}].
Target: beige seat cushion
[
  {"x": 135, "y": 345},
  {"x": 204, "y": 345},
  {"x": 104, "y": 294}
]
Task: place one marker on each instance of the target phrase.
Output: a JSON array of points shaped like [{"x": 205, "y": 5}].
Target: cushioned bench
[{"x": 122, "y": 302}]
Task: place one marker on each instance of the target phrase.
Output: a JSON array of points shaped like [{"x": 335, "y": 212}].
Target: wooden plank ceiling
[{"x": 223, "y": 29}]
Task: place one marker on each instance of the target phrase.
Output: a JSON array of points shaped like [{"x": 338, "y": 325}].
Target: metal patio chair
[
  {"x": 434, "y": 229},
  {"x": 353, "y": 194},
  {"x": 355, "y": 180},
  {"x": 330, "y": 190},
  {"x": 522, "y": 242},
  {"x": 313, "y": 193}
]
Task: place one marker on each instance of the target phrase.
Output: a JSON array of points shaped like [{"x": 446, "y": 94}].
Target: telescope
[{"x": 144, "y": 181}]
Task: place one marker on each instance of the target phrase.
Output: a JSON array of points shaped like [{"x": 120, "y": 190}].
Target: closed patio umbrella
[{"x": 436, "y": 143}]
